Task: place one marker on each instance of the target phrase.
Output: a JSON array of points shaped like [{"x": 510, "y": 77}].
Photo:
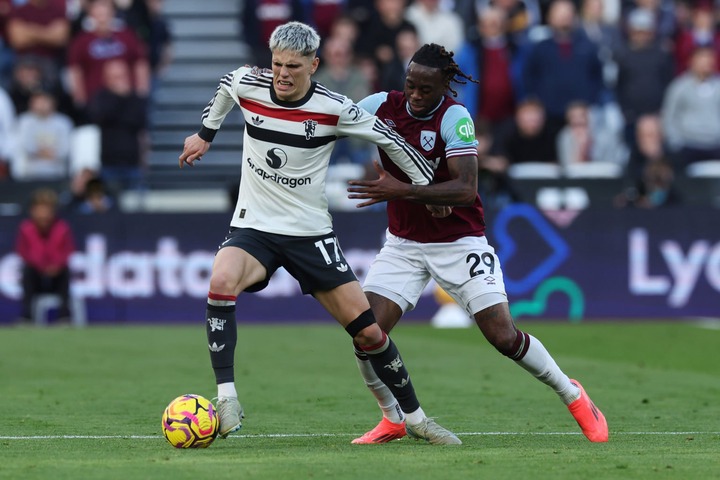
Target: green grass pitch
[{"x": 86, "y": 404}]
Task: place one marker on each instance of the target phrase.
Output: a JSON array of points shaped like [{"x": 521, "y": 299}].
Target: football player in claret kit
[
  {"x": 281, "y": 218},
  {"x": 438, "y": 231}
]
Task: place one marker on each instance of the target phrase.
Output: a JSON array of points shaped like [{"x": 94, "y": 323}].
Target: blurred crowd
[
  {"x": 595, "y": 88},
  {"x": 569, "y": 88},
  {"x": 77, "y": 78}
]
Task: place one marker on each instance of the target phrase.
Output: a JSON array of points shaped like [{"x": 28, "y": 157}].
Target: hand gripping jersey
[
  {"x": 447, "y": 132},
  {"x": 287, "y": 147}
]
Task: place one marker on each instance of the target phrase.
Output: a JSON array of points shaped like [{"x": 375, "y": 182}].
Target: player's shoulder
[
  {"x": 372, "y": 102},
  {"x": 252, "y": 76},
  {"x": 457, "y": 124},
  {"x": 324, "y": 94}
]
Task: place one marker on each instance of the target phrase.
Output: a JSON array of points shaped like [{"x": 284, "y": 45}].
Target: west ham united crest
[{"x": 427, "y": 140}]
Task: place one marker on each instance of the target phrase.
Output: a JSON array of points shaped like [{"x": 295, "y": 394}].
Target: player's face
[
  {"x": 291, "y": 74},
  {"x": 424, "y": 88}
]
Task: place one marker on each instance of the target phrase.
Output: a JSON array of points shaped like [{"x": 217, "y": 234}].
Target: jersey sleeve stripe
[
  {"x": 417, "y": 159},
  {"x": 289, "y": 139},
  {"x": 461, "y": 152},
  {"x": 287, "y": 114},
  {"x": 323, "y": 90}
]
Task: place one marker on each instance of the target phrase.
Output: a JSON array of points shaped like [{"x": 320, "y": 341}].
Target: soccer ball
[{"x": 190, "y": 421}]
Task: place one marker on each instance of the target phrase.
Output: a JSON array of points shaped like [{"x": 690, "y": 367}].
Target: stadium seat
[
  {"x": 85, "y": 149},
  {"x": 706, "y": 169},
  {"x": 593, "y": 170},
  {"x": 535, "y": 170}
]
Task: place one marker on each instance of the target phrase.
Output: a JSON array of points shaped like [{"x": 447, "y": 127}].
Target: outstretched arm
[{"x": 460, "y": 190}]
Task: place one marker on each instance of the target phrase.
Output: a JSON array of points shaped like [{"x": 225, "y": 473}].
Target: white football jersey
[{"x": 287, "y": 147}]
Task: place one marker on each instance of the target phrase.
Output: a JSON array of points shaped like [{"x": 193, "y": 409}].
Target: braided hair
[{"x": 435, "y": 56}]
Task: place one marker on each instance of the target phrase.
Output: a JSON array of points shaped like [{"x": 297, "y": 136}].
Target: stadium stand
[{"x": 207, "y": 45}]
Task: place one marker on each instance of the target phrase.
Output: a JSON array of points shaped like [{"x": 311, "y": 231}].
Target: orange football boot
[
  {"x": 385, "y": 432},
  {"x": 588, "y": 416}
]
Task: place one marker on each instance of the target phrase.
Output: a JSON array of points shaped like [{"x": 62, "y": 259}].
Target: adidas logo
[
  {"x": 214, "y": 347},
  {"x": 404, "y": 382},
  {"x": 256, "y": 120},
  {"x": 342, "y": 267}
]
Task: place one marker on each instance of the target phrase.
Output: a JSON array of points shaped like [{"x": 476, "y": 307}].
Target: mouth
[{"x": 284, "y": 84}]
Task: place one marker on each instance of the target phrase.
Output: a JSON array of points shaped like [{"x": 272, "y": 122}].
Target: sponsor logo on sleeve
[{"x": 465, "y": 130}]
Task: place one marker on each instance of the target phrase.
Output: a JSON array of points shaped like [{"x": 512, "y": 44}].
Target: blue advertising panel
[{"x": 593, "y": 264}]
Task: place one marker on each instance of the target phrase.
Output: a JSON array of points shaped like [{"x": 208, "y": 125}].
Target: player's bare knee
[
  {"x": 504, "y": 341},
  {"x": 223, "y": 284}
]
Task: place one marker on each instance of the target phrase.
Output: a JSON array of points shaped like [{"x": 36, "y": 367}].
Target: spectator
[
  {"x": 159, "y": 41},
  {"x": 96, "y": 198},
  {"x": 520, "y": 16},
  {"x": 702, "y": 32},
  {"x": 43, "y": 141},
  {"x": 490, "y": 56},
  {"x": 135, "y": 14},
  {"x": 435, "y": 24},
  {"x": 494, "y": 184},
  {"x": 340, "y": 74},
  {"x": 44, "y": 243},
  {"x": 90, "y": 50},
  {"x": 7, "y": 134},
  {"x": 379, "y": 39},
  {"x": 70, "y": 199},
  {"x": 648, "y": 146},
  {"x": 564, "y": 67},
  {"x": 7, "y": 55},
  {"x": 529, "y": 139},
  {"x": 360, "y": 11},
  {"x": 392, "y": 76},
  {"x": 40, "y": 28},
  {"x": 644, "y": 72},
  {"x": 122, "y": 117},
  {"x": 663, "y": 16},
  {"x": 28, "y": 78},
  {"x": 691, "y": 111},
  {"x": 322, "y": 14},
  {"x": 259, "y": 18},
  {"x": 583, "y": 141},
  {"x": 604, "y": 34},
  {"x": 346, "y": 28},
  {"x": 656, "y": 188}
]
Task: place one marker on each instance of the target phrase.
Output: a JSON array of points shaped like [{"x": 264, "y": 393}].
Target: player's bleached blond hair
[{"x": 295, "y": 37}]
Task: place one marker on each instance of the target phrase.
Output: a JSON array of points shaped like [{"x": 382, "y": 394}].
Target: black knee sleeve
[{"x": 361, "y": 322}]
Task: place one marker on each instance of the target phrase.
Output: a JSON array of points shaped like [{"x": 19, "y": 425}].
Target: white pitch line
[{"x": 305, "y": 435}]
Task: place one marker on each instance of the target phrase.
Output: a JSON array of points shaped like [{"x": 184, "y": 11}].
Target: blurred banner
[{"x": 574, "y": 265}]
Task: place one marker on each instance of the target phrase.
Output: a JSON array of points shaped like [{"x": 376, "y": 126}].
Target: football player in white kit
[
  {"x": 443, "y": 243},
  {"x": 281, "y": 218}
]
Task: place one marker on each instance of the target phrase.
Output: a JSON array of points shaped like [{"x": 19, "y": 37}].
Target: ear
[{"x": 315, "y": 64}]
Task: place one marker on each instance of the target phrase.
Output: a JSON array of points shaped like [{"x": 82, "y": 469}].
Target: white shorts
[{"x": 467, "y": 269}]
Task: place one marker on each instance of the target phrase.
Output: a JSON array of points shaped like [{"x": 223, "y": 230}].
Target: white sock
[
  {"x": 227, "y": 390},
  {"x": 415, "y": 417},
  {"x": 541, "y": 365},
  {"x": 386, "y": 401}
]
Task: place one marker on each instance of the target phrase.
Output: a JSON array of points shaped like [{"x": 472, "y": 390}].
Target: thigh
[
  {"x": 469, "y": 271},
  {"x": 245, "y": 260},
  {"x": 345, "y": 302},
  {"x": 398, "y": 273}
]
